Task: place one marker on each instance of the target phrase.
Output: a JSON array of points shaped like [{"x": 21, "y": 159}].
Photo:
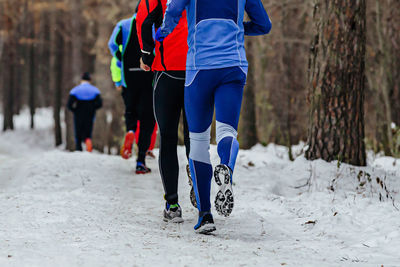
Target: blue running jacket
[{"x": 216, "y": 30}]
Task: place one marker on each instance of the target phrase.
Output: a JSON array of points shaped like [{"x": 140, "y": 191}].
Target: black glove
[{"x": 148, "y": 59}]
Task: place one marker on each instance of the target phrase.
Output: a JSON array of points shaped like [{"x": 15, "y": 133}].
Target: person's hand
[
  {"x": 144, "y": 66},
  {"x": 119, "y": 88},
  {"x": 159, "y": 36}
]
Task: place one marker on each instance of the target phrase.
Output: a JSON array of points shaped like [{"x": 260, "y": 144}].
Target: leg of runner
[
  {"x": 129, "y": 95},
  {"x": 222, "y": 88},
  {"x": 147, "y": 121},
  {"x": 153, "y": 138},
  {"x": 78, "y": 133},
  {"x": 168, "y": 106}
]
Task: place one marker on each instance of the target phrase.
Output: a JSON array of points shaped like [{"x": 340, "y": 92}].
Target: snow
[
  {"x": 81, "y": 209},
  {"x": 16, "y": 143}
]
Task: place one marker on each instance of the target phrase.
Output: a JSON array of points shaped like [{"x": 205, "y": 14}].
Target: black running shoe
[
  {"x": 205, "y": 225},
  {"x": 192, "y": 194},
  {"x": 173, "y": 213},
  {"x": 224, "y": 198}
]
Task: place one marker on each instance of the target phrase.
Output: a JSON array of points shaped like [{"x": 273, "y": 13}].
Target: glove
[
  {"x": 159, "y": 36},
  {"x": 148, "y": 59}
]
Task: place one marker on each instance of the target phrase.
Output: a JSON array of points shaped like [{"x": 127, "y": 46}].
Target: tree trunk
[
  {"x": 67, "y": 85},
  {"x": 383, "y": 81},
  {"x": 248, "y": 130},
  {"x": 32, "y": 71},
  {"x": 75, "y": 62},
  {"x": 54, "y": 71},
  {"x": 101, "y": 130},
  {"x": 76, "y": 39},
  {"x": 106, "y": 133},
  {"x": 337, "y": 82},
  {"x": 19, "y": 73},
  {"x": 394, "y": 69},
  {"x": 2, "y": 30},
  {"x": 8, "y": 97},
  {"x": 8, "y": 76},
  {"x": 3, "y": 37}
]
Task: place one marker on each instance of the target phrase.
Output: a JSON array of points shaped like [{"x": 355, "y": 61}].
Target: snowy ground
[{"x": 81, "y": 209}]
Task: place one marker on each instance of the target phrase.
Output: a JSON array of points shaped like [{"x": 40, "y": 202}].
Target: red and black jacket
[{"x": 171, "y": 53}]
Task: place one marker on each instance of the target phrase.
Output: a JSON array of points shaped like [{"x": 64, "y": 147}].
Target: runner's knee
[
  {"x": 225, "y": 130},
  {"x": 200, "y": 145}
]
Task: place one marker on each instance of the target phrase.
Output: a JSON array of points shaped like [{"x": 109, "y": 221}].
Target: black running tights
[{"x": 169, "y": 90}]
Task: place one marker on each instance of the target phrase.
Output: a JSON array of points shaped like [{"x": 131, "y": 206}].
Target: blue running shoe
[
  {"x": 173, "y": 213},
  {"x": 224, "y": 198},
  {"x": 205, "y": 225}
]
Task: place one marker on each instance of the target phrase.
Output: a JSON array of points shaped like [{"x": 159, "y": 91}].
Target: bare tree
[
  {"x": 248, "y": 135},
  {"x": 383, "y": 72},
  {"x": 54, "y": 78},
  {"x": 75, "y": 62},
  {"x": 9, "y": 20},
  {"x": 33, "y": 70},
  {"x": 337, "y": 82}
]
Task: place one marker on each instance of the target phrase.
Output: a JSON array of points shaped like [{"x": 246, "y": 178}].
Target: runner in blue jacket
[
  {"x": 216, "y": 71},
  {"x": 83, "y": 101}
]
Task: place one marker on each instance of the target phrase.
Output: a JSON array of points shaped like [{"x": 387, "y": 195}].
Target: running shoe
[
  {"x": 205, "y": 225},
  {"x": 89, "y": 145},
  {"x": 142, "y": 169},
  {"x": 150, "y": 154},
  {"x": 192, "y": 194},
  {"x": 173, "y": 213},
  {"x": 224, "y": 198},
  {"x": 126, "y": 150}
]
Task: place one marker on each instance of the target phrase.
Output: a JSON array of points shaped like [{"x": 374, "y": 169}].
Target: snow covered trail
[{"x": 81, "y": 209}]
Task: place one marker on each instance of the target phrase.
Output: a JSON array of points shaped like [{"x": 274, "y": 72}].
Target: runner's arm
[
  {"x": 72, "y": 103},
  {"x": 149, "y": 14},
  {"x": 98, "y": 102},
  {"x": 172, "y": 15},
  {"x": 115, "y": 42},
  {"x": 259, "y": 23}
]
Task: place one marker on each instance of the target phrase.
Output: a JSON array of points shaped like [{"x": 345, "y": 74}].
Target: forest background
[{"x": 45, "y": 45}]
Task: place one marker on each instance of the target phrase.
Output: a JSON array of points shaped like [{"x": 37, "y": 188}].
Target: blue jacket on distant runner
[
  {"x": 85, "y": 92},
  {"x": 207, "y": 20},
  {"x": 84, "y": 100}
]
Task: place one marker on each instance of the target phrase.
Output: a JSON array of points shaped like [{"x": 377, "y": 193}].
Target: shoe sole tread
[{"x": 224, "y": 201}]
